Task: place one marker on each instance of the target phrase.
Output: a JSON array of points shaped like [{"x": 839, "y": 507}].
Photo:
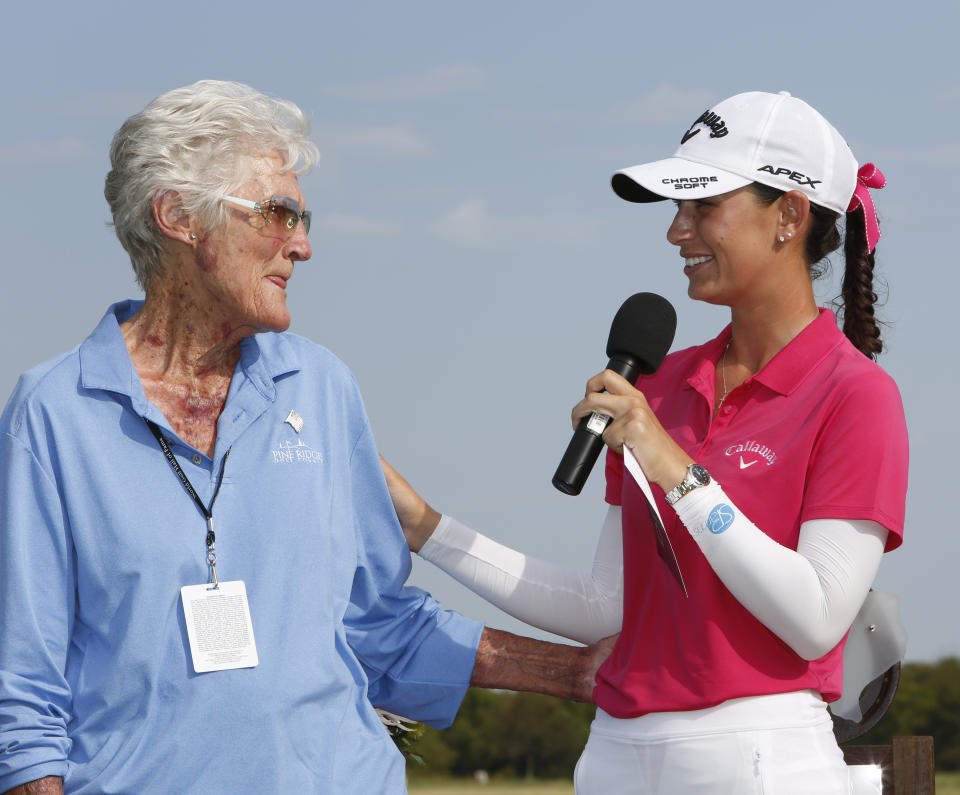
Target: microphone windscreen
[{"x": 643, "y": 328}]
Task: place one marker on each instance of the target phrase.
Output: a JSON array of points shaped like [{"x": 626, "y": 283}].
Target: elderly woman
[{"x": 201, "y": 573}]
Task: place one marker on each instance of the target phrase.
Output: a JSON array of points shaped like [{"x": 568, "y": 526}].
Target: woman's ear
[
  {"x": 171, "y": 219},
  {"x": 794, "y": 209}
]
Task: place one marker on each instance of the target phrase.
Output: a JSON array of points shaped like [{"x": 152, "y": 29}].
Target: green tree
[
  {"x": 927, "y": 702},
  {"x": 543, "y": 736},
  {"x": 509, "y": 734},
  {"x": 438, "y": 757}
]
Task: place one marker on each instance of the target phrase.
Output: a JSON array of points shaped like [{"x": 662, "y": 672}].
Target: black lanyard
[{"x": 207, "y": 512}]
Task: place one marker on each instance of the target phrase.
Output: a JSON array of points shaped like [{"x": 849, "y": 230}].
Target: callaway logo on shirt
[{"x": 751, "y": 452}]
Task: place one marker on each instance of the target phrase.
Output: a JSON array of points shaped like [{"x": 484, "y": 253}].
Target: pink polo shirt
[{"x": 818, "y": 433}]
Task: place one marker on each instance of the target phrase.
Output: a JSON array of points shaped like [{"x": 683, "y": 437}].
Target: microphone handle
[{"x": 587, "y": 441}]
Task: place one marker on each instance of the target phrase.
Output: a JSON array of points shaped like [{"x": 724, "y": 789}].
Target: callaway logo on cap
[{"x": 774, "y": 139}]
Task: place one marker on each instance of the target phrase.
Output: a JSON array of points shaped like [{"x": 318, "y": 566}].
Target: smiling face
[
  {"x": 727, "y": 243},
  {"x": 245, "y": 263}
]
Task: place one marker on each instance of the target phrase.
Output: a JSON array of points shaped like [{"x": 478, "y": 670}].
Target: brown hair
[{"x": 857, "y": 297}]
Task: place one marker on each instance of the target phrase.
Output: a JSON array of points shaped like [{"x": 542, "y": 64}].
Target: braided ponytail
[
  {"x": 857, "y": 297},
  {"x": 859, "y": 322}
]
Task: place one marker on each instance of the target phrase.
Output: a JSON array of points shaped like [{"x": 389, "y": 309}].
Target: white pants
[{"x": 775, "y": 744}]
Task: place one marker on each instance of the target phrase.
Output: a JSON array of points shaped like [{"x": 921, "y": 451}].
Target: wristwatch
[{"x": 696, "y": 477}]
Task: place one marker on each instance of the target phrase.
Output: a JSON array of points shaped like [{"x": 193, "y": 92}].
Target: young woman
[{"x": 780, "y": 453}]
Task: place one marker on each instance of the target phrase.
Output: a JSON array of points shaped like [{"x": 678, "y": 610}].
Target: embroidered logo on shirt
[
  {"x": 751, "y": 452},
  {"x": 299, "y": 453}
]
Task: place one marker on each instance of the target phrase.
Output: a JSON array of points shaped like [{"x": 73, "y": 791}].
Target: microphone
[{"x": 640, "y": 336}]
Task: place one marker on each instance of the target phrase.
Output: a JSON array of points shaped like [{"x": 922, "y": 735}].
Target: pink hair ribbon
[{"x": 869, "y": 176}]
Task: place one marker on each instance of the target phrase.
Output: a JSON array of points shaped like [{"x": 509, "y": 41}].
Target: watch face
[{"x": 700, "y": 474}]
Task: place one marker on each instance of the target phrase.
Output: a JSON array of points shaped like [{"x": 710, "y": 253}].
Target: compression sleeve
[
  {"x": 808, "y": 597},
  {"x": 582, "y": 607}
]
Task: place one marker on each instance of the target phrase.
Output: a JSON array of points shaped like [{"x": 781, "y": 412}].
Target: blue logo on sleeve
[{"x": 720, "y": 518}]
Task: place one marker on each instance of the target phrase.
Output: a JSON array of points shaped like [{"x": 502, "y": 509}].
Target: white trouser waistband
[{"x": 804, "y": 708}]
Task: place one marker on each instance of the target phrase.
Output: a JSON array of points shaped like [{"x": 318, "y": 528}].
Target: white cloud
[
  {"x": 470, "y": 224},
  {"x": 398, "y": 140},
  {"x": 102, "y": 104},
  {"x": 664, "y": 105},
  {"x": 339, "y": 225},
  {"x": 950, "y": 93},
  {"x": 442, "y": 81},
  {"x": 40, "y": 153},
  {"x": 947, "y": 154}
]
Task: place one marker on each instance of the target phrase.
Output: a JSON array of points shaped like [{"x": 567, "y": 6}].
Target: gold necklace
[{"x": 723, "y": 376}]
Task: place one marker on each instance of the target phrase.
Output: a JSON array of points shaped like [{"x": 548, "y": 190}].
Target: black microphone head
[{"x": 643, "y": 328}]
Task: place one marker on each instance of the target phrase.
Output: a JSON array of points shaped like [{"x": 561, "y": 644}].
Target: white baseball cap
[{"x": 775, "y": 139}]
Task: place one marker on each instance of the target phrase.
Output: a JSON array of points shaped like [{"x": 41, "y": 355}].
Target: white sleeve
[
  {"x": 582, "y": 607},
  {"x": 808, "y": 597}
]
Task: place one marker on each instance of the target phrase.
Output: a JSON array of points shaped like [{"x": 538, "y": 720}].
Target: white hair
[{"x": 199, "y": 141}]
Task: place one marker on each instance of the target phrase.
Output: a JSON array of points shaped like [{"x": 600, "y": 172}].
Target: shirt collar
[
  {"x": 791, "y": 366},
  {"x": 703, "y": 375},
  {"x": 785, "y": 371},
  {"x": 265, "y": 357},
  {"x": 105, "y": 363}
]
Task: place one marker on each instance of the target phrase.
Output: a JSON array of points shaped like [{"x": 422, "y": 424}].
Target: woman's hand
[
  {"x": 417, "y": 518},
  {"x": 634, "y": 426},
  {"x": 597, "y": 654},
  {"x": 514, "y": 662}
]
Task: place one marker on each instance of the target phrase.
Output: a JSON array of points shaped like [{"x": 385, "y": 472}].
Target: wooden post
[
  {"x": 907, "y": 764},
  {"x": 913, "y": 766}
]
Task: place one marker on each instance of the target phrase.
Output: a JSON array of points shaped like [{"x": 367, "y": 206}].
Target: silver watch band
[{"x": 696, "y": 477}]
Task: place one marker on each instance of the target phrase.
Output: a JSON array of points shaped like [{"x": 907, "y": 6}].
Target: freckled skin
[
  {"x": 215, "y": 290},
  {"x": 193, "y": 408}
]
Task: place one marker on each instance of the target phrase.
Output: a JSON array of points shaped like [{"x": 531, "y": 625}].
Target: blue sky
[{"x": 468, "y": 252}]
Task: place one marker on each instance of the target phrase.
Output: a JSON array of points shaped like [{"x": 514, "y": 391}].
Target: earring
[
  {"x": 194, "y": 237},
  {"x": 789, "y": 234},
  {"x": 782, "y": 239}
]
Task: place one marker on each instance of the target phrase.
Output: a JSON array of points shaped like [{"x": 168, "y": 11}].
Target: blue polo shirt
[{"x": 97, "y": 536}]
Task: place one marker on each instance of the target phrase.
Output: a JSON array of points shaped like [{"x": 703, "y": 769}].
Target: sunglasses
[{"x": 283, "y": 208}]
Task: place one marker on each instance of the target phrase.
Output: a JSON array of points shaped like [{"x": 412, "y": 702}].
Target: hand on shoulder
[{"x": 417, "y": 519}]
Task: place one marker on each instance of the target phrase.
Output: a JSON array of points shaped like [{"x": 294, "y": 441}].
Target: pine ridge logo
[
  {"x": 299, "y": 453},
  {"x": 718, "y": 127}
]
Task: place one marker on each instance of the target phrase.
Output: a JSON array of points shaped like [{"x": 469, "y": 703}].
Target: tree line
[
  {"x": 525, "y": 735},
  {"x": 927, "y": 702}
]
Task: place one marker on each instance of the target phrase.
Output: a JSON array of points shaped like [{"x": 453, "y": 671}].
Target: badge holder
[{"x": 217, "y": 614}]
